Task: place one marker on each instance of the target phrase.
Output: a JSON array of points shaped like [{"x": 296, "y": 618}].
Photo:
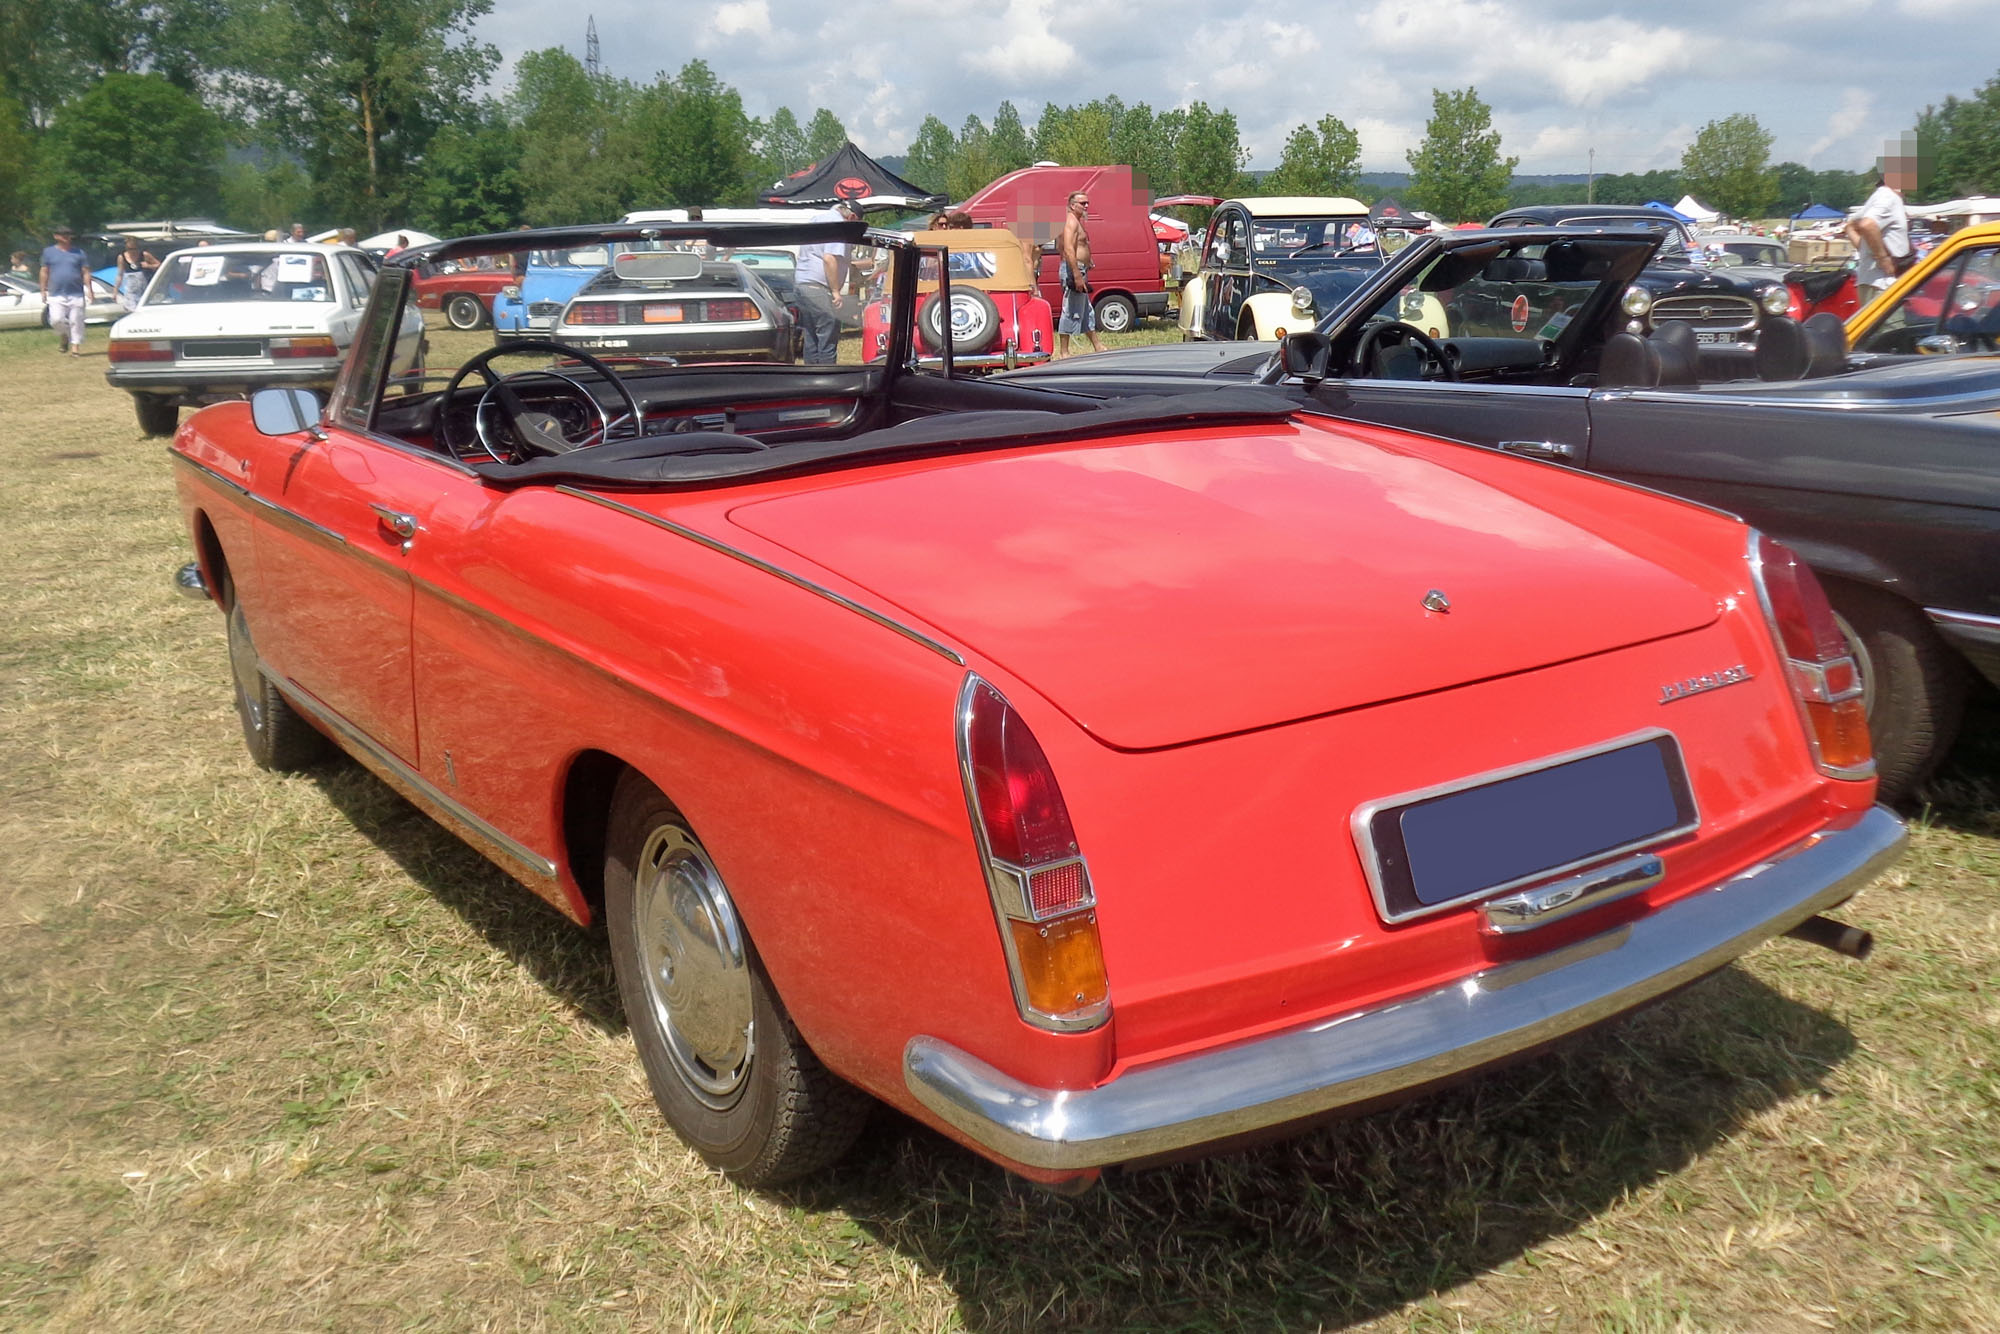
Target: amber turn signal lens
[
  {"x": 1842, "y": 732},
  {"x": 1062, "y": 966}
]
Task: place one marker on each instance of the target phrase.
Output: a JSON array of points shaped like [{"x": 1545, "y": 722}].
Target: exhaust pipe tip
[{"x": 1836, "y": 936}]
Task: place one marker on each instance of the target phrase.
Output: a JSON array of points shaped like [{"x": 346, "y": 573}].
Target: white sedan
[
  {"x": 21, "y": 303},
  {"x": 218, "y": 322}
]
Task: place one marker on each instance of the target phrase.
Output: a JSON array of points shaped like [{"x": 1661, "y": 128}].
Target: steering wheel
[
  {"x": 534, "y": 433},
  {"x": 1377, "y": 334}
]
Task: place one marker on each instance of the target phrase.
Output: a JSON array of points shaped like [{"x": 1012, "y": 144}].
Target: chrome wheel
[
  {"x": 693, "y": 966},
  {"x": 464, "y": 312}
]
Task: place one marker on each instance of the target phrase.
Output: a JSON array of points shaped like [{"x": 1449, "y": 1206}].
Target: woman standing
[{"x": 135, "y": 270}]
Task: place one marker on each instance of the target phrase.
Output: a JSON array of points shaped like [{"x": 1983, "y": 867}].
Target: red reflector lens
[
  {"x": 592, "y": 312},
  {"x": 295, "y": 348},
  {"x": 1059, "y": 889},
  {"x": 1020, "y": 806},
  {"x": 129, "y": 349},
  {"x": 732, "y": 310},
  {"x": 1824, "y": 677},
  {"x": 1799, "y": 606}
]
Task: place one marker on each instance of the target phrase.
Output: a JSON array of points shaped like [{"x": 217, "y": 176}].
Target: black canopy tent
[{"x": 852, "y": 175}]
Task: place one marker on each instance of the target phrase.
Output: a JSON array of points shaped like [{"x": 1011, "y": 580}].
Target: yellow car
[{"x": 1950, "y": 302}]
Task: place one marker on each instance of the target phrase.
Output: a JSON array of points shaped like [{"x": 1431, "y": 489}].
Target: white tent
[
  {"x": 1690, "y": 207},
  {"x": 385, "y": 240}
]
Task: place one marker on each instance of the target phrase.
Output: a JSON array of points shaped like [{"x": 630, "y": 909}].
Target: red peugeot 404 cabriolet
[{"x": 1097, "y": 784}]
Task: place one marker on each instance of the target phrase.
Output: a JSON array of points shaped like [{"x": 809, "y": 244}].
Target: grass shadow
[
  {"x": 1964, "y": 794},
  {"x": 570, "y": 963},
  {"x": 1360, "y": 1217}
]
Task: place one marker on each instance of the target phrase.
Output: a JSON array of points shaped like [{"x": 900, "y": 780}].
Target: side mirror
[
  {"x": 285, "y": 411},
  {"x": 1306, "y": 355}
]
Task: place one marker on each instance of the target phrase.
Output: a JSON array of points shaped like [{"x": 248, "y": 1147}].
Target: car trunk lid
[{"x": 1192, "y": 584}]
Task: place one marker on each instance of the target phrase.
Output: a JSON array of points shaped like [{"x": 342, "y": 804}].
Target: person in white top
[{"x": 1881, "y": 236}]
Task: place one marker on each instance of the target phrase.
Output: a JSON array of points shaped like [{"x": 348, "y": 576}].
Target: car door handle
[
  {"x": 1555, "y": 451},
  {"x": 402, "y": 525}
]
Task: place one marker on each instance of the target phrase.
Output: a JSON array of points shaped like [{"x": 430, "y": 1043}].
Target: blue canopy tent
[
  {"x": 1669, "y": 210},
  {"x": 1817, "y": 213}
]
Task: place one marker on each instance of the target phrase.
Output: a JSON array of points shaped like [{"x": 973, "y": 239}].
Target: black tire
[
  {"x": 729, "y": 1071},
  {"x": 1246, "y": 328},
  {"x": 1116, "y": 313},
  {"x": 462, "y": 310},
  {"x": 276, "y": 736},
  {"x": 975, "y": 320},
  {"x": 157, "y": 415},
  {"x": 1915, "y": 684}
]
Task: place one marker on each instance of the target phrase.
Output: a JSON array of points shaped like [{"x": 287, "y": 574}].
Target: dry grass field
[{"x": 280, "y": 1053}]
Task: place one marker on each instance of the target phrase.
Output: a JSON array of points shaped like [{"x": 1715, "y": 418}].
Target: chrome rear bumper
[{"x": 1357, "y": 1058}]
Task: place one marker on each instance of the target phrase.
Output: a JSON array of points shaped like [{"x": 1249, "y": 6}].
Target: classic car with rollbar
[{"x": 1092, "y": 782}]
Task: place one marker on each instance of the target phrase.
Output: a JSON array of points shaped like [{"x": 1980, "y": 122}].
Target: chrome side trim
[
  {"x": 415, "y": 786},
  {"x": 1371, "y": 863},
  {"x": 1970, "y": 623},
  {"x": 1356, "y": 1058},
  {"x": 755, "y": 562}
]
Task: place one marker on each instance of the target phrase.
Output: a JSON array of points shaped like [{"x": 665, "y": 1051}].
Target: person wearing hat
[
  {"x": 65, "y": 288},
  {"x": 822, "y": 271}
]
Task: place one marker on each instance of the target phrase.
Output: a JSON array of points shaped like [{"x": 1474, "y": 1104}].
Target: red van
[{"x": 1124, "y": 257}]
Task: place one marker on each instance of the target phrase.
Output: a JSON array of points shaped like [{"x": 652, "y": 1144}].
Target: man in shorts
[{"x": 1074, "y": 274}]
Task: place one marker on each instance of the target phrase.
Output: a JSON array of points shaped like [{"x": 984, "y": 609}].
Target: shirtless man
[{"x": 1074, "y": 274}]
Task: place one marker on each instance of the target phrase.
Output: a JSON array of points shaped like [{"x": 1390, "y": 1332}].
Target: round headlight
[
  {"x": 511, "y": 292},
  {"x": 1302, "y": 301},
  {"x": 1776, "y": 300},
  {"x": 1637, "y": 301},
  {"x": 1413, "y": 305}
]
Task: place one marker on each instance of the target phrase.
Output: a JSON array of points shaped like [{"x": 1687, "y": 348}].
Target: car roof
[
  {"x": 269, "y": 248},
  {"x": 1562, "y": 212},
  {"x": 1310, "y": 206}
]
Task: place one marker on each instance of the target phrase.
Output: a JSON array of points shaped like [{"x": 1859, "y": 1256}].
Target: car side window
[
  {"x": 1916, "y": 315},
  {"x": 360, "y": 280}
]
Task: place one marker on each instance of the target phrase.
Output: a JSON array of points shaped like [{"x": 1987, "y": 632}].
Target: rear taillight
[
  {"x": 1825, "y": 680},
  {"x": 730, "y": 310},
  {"x": 1038, "y": 879},
  {"x": 593, "y": 312},
  {"x": 141, "y": 349},
  {"x": 296, "y": 348}
]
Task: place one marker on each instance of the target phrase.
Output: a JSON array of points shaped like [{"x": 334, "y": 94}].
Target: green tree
[
  {"x": 472, "y": 179},
  {"x": 1322, "y": 159},
  {"x": 17, "y": 171},
  {"x": 1209, "y": 153},
  {"x": 51, "y": 50},
  {"x": 1078, "y": 136},
  {"x": 1145, "y": 142},
  {"x": 1727, "y": 167},
  {"x": 1457, "y": 171},
  {"x": 90, "y": 175},
  {"x": 692, "y": 141},
  {"x": 357, "y": 87},
  {"x": 1009, "y": 143},
  {"x": 263, "y": 191},
  {"x": 783, "y": 146},
  {"x": 825, "y": 135},
  {"x": 927, "y": 161},
  {"x": 1964, "y": 136},
  {"x": 572, "y": 169}
]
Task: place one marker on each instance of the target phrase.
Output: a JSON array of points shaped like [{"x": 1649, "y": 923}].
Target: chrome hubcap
[
  {"x": 692, "y": 960},
  {"x": 243, "y": 668}
]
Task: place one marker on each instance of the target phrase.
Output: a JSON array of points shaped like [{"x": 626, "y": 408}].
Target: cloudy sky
[{"x": 1829, "y": 78}]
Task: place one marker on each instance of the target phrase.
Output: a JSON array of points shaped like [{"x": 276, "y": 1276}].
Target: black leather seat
[
  {"x": 1628, "y": 362},
  {"x": 1788, "y": 350},
  {"x": 1680, "y": 354}
]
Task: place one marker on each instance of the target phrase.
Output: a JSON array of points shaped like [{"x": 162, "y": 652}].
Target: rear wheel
[
  {"x": 1116, "y": 313},
  {"x": 157, "y": 415},
  {"x": 276, "y": 736},
  {"x": 1915, "y": 687},
  {"x": 728, "y": 1070},
  {"x": 463, "y": 311}
]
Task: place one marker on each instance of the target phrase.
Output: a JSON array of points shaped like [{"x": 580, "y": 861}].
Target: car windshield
[
  {"x": 1527, "y": 293},
  {"x": 1279, "y": 239},
  {"x": 1732, "y": 254},
  {"x": 586, "y": 257},
  {"x": 1673, "y": 241},
  {"x": 225, "y": 275}
]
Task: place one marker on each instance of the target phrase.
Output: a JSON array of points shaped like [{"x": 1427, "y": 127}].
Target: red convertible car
[{"x": 1096, "y": 784}]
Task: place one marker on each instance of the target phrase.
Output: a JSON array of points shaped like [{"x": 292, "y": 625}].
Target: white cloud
[
  {"x": 1020, "y": 42},
  {"x": 751, "y": 18},
  {"x": 1852, "y": 114}
]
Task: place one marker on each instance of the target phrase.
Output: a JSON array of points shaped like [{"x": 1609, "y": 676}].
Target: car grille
[
  {"x": 1708, "y": 314},
  {"x": 546, "y": 309}
]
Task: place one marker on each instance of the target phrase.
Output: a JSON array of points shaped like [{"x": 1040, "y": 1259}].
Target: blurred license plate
[
  {"x": 1714, "y": 336},
  {"x": 224, "y": 347},
  {"x": 1432, "y": 849},
  {"x": 664, "y": 312}
]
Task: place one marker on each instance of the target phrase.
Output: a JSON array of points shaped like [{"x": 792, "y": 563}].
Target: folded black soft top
[{"x": 701, "y": 458}]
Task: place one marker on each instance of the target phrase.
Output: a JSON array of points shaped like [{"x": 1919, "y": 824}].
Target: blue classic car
[{"x": 549, "y": 278}]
